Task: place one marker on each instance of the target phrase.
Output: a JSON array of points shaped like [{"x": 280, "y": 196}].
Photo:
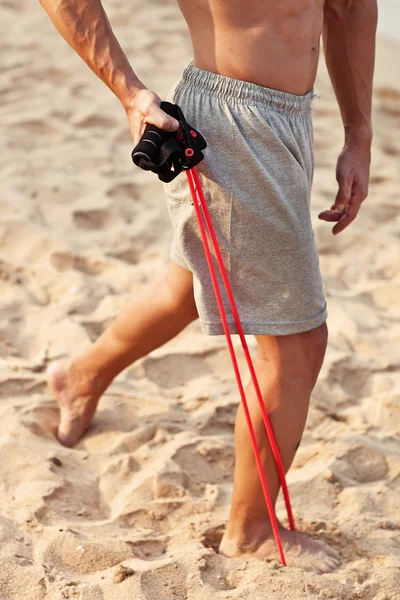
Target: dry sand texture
[{"x": 136, "y": 511}]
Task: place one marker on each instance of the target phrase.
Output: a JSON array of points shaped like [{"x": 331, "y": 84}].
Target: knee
[
  {"x": 180, "y": 299},
  {"x": 311, "y": 349},
  {"x": 316, "y": 342},
  {"x": 298, "y": 356}
]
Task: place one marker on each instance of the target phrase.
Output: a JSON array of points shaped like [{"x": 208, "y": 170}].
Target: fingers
[
  {"x": 146, "y": 109},
  {"x": 343, "y": 197},
  {"x": 148, "y": 105},
  {"x": 348, "y": 216},
  {"x": 358, "y": 194},
  {"x": 331, "y": 215},
  {"x": 344, "y": 192},
  {"x": 352, "y": 173},
  {"x": 156, "y": 116}
]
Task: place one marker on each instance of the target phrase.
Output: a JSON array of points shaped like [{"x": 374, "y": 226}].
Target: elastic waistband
[{"x": 245, "y": 92}]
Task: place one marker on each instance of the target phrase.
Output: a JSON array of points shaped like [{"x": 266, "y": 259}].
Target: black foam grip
[
  {"x": 149, "y": 145},
  {"x": 164, "y": 152}
]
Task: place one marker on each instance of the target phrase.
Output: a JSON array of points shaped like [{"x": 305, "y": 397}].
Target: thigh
[{"x": 179, "y": 282}]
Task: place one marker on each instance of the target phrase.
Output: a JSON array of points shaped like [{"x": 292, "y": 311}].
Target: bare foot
[
  {"x": 77, "y": 397},
  {"x": 300, "y": 551}
]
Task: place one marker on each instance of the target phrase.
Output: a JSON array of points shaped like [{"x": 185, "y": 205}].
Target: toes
[
  {"x": 332, "y": 563},
  {"x": 333, "y": 553},
  {"x": 323, "y": 567},
  {"x": 69, "y": 432},
  {"x": 328, "y": 565},
  {"x": 65, "y": 438},
  {"x": 330, "y": 551}
]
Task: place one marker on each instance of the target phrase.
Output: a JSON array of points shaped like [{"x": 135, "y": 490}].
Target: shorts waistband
[{"x": 245, "y": 92}]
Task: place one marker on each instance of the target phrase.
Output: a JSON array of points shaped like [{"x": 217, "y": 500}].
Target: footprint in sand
[
  {"x": 71, "y": 551},
  {"x": 91, "y": 218},
  {"x": 367, "y": 464},
  {"x": 206, "y": 462},
  {"x": 362, "y": 464},
  {"x": 42, "y": 420},
  {"x": 148, "y": 549}
]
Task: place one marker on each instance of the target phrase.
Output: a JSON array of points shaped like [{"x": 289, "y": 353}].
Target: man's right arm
[{"x": 86, "y": 28}]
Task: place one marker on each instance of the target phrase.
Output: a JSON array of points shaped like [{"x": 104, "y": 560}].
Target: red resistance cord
[{"x": 200, "y": 205}]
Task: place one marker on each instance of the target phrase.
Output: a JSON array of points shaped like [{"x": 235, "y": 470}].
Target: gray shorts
[{"x": 256, "y": 176}]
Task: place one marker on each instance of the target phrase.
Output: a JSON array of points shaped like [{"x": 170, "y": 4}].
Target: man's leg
[
  {"x": 287, "y": 368},
  {"x": 157, "y": 314}
]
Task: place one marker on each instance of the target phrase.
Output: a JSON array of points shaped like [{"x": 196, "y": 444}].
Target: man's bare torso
[{"x": 274, "y": 44}]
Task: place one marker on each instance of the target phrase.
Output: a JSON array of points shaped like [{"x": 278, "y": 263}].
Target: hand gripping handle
[{"x": 168, "y": 152}]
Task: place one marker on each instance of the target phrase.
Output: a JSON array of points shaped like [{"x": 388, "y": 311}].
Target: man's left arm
[{"x": 349, "y": 45}]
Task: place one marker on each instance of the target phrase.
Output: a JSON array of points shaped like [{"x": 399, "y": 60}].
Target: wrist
[
  {"x": 127, "y": 92},
  {"x": 360, "y": 136}
]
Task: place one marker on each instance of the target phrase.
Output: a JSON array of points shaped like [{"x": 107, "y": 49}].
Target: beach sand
[{"x": 136, "y": 511}]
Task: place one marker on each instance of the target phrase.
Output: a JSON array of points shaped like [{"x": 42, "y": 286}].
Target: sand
[{"x": 137, "y": 509}]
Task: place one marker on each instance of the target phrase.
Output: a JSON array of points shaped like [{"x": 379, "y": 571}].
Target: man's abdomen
[{"x": 273, "y": 44}]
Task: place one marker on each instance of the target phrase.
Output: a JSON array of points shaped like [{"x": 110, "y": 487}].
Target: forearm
[
  {"x": 86, "y": 28},
  {"x": 349, "y": 44}
]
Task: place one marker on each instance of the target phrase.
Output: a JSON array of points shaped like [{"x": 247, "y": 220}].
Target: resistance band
[{"x": 182, "y": 151}]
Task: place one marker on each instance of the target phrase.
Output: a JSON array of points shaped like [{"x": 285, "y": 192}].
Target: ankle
[
  {"x": 86, "y": 380},
  {"x": 247, "y": 535}
]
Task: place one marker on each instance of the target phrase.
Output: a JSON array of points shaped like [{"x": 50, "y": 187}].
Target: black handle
[
  {"x": 149, "y": 145},
  {"x": 168, "y": 152}
]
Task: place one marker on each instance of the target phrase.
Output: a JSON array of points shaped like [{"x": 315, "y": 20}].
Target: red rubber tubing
[
  {"x": 267, "y": 423},
  {"x": 264, "y": 485}
]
